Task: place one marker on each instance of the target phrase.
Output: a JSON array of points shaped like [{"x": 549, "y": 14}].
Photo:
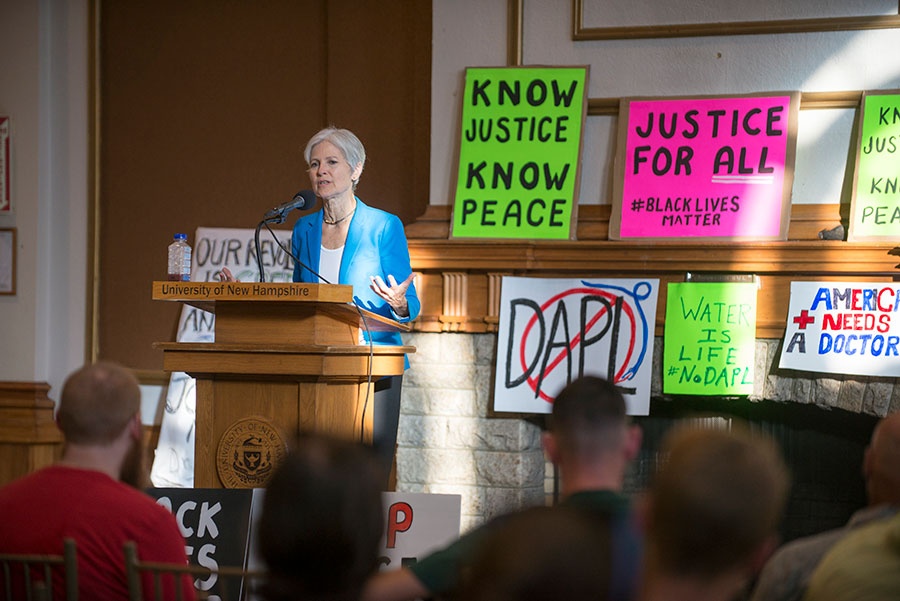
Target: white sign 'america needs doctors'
[{"x": 843, "y": 327}]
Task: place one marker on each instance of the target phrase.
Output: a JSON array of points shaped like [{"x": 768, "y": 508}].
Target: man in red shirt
[{"x": 91, "y": 494}]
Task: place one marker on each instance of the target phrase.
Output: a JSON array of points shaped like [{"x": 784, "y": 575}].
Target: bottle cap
[{"x": 181, "y": 236}]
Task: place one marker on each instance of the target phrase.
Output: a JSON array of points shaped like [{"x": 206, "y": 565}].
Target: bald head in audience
[
  {"x": 881, "y": 464},
  {"x": 712, "y": 513},
  {"x": 99, "y": 416},
  {"x": 786, "y": 575}
]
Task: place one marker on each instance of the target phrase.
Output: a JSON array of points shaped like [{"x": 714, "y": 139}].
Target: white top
[{"x": 330, "y": 264}]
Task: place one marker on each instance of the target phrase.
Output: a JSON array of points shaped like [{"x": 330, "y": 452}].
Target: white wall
[
  {"x": 473, "y": 33},
  {"x": 19, "y": 87},
  {"x": 43, "y": 89}
]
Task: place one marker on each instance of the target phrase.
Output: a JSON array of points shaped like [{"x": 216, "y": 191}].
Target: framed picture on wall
[{"x": 8, "y": 260}]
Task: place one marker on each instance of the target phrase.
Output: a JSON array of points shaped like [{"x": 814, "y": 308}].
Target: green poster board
[
  {"x": 875, "y": 206},
  {"x": 519, "y": 152},
  {"x": 710, "y": 338}
]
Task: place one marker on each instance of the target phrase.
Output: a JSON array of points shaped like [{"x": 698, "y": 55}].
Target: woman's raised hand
[{"x": 393, "y": 293}]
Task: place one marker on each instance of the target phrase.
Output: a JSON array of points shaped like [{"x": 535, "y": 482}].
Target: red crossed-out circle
[{"x": 532, "y": 381}]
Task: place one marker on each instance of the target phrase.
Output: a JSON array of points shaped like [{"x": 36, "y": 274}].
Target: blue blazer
[{"x": 376, "y": 245}]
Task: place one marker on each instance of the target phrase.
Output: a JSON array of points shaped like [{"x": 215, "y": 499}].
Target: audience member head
[
  {"x": 542, "y": 554},
  {"x": 881, "y": 464},
  {"x": 322, "y": 521},
  {"x": 715, "y": 505},
  {"x": 588, "y": 426},
  {"x": 100, "y": 406},
  {"x": 863, "y": 566},
  {"x": 97, "y": 403}
]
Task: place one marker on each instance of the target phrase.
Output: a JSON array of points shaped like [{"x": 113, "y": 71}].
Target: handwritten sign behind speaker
[
  {"x": 553, "y": 330},
  {"x": 711, "y": 167},
  {"x": 519, "y": 152},
  {"x": 875, "y": 207}
]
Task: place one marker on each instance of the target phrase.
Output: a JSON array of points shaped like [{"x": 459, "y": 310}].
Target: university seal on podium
[{"x": 248, "y": 453}]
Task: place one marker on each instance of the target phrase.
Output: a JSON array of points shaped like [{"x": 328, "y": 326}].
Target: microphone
[{"x": 303, "y": 199}]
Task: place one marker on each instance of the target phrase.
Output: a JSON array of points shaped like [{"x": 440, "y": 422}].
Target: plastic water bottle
[{"x": 180, "y": 259}]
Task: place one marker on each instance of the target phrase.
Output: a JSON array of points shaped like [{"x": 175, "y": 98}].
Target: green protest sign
[
  {"x": 875, "y": 206},
  {"x": 710, "y": 338},
  {"x": 520, "y": 144}
]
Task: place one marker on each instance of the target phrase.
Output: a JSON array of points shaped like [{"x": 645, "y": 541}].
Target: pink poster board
[{"x": 711, "y": 167}]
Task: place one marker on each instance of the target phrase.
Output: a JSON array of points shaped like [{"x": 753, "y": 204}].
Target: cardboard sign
[
  {"x": 219, "y": 527},
  {"x": 215, "y": 523},
  {"x": 710, "y": 339},
  {"x": 519, "y": 150},
  {"x": 875, "y": 205},
  {"x": 416, "y": 525},
  {"x": 213, "y": 249},
  {"x": 555, "y": 330},
  {"x": 843, "y": 328},
  {"x": 712, "y": 167}
]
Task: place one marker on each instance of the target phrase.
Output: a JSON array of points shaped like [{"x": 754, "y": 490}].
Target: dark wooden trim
[
  {"x": 849, "y": 99},
  {"x": 92, "y": 326},
  {"x": 580, "y": 33},
  {"x": 514, "y": 36},
  {"x": 27, "y": 413},
  {"x": 593, "y": 222},
  {"x": 456, "y": 275}
]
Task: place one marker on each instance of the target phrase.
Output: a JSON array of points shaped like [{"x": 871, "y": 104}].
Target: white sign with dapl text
[
  {"x": 843, "y": 328},
  {"x": 554, "y": 330},
  {"x": 213, "y": 249}
]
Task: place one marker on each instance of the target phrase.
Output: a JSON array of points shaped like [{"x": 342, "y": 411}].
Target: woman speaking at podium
[
  {"x": 352, "y": 243},
  {"x": 349, "y": 242}
]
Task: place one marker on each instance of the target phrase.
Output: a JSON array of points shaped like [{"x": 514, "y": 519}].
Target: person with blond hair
[
  {"x": 711, "y": 513},
  {"x": 863, "y": 566},
  {"x": 786, "y": 575}
]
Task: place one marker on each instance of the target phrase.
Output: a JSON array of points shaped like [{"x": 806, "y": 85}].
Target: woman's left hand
[{"x": 393, "y": 293}]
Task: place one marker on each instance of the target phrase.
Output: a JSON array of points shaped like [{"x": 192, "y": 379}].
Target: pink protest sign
[{"x": 719, "y": 167}]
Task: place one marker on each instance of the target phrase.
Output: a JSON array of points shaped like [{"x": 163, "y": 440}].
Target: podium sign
[{"x": 286, "y": 358}]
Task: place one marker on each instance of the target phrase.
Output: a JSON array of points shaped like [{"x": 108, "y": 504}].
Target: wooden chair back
[
  {"x": 234, "y": 583},
  {"x": 30, "y": 577}
]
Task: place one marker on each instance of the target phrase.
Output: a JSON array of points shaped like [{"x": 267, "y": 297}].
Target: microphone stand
[{"x": 279, "y": 218}]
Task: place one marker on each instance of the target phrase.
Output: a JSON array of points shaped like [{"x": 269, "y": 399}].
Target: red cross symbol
[{"x": 804, "y": 319}]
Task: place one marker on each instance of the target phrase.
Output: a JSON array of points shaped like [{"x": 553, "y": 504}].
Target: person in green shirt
[{"x": 592, "y": 442}]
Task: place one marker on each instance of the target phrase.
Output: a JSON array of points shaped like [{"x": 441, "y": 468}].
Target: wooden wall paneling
[
  {"x": 29, "y": 438},
  {"x": 379, "y": 86},
  {"x": 203, "y": 112},
  {"x": 806, "y": 258}
]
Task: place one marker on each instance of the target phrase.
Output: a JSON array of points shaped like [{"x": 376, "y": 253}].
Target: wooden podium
[{"x": 286, "y": 358}]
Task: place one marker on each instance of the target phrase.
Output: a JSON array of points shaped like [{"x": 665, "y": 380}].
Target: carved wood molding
[
  {"x": 26, "y": 414},
  {"x": 459, "y": 280}
]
